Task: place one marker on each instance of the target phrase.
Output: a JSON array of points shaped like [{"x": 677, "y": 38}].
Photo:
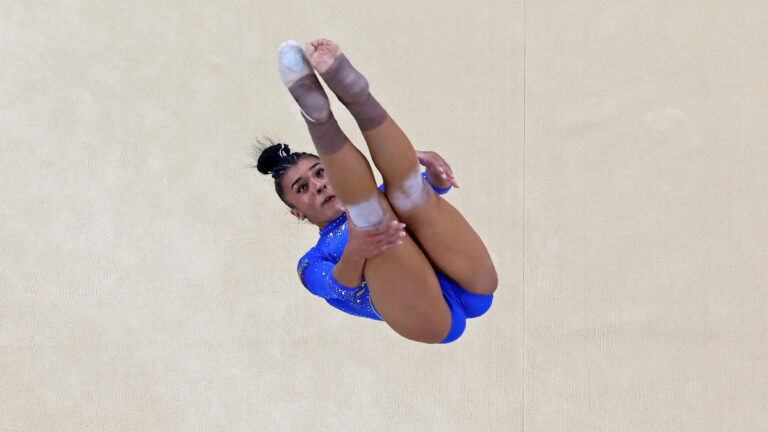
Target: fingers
[
  {"x": 384, "y": 228},
  {"x": 447, "y": 174},
  {"x": 392, "y": 231},
  {"x": 390, "y": 234},
  {"x": 380, "y": 237}
]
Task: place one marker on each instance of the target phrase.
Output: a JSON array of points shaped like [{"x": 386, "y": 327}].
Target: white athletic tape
[
  {"x": 292, "y": 65},
  {"x": 366, "y": 214},
  {"x": 410, "y": 193}
]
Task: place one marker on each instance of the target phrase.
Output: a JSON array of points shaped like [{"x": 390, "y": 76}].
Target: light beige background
[{"x": 611, "y": 153}]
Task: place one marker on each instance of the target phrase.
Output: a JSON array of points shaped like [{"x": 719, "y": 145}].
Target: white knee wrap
[
  {"x": 366, "y": 214},
  {"x": 411, "y": 192}
]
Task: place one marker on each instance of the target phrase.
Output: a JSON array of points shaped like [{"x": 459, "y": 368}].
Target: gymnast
[{"x": 425, "y": 276}]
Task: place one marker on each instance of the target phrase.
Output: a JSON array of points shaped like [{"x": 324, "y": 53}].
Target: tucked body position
[{"x": 398, "y": 252}]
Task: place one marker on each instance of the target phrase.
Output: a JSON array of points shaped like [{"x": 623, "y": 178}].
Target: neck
[{"x": 325, "y": 224}]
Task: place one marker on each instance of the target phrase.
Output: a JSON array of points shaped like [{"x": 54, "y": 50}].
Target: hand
[
  {"x": 437, "y": 168},
  {"x": 365, "y": 243}
]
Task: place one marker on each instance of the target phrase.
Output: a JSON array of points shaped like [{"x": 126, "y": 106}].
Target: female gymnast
[{"x": 424, "y": 282}]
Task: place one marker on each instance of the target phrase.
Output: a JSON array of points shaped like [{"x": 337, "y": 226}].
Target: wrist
[
  {"x": 349, "y": 270},
  {"x": 437, "y": 181},
  {"x": 352, "y": 257}
]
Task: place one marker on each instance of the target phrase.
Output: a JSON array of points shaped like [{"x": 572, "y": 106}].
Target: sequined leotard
[{"x": 316, "y": 273}]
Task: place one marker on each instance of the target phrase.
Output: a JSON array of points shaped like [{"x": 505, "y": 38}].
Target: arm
[
  {"x": 425, "y": 174},
  {"x": 438, "y": 184},
  {"x": 328, "y": 280},
  {"x": 317, "y": 275},
  {"x": 363, "y": 244},
  {"x": 349, "y": 270},
  {"x": 438, "y": 174}
]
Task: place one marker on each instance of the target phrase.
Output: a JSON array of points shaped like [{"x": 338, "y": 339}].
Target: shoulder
[
  {"x": 304, "y": 262},
  {"x": 311, "y": 255}
]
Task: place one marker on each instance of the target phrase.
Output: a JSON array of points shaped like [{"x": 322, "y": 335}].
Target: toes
[
  {"x": 309, "y": 49},
  {"x": 323, "y": 43}
]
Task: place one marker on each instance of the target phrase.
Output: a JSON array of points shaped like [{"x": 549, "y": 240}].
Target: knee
[
  {"x": 368, "y": 213},
  {"x": 411, "y": 193}
]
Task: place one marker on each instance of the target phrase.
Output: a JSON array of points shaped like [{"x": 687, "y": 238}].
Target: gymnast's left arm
[{"x": 439, "y": 173}]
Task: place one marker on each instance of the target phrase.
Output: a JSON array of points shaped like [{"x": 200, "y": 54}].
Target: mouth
[{"x": 328, "y": 199}]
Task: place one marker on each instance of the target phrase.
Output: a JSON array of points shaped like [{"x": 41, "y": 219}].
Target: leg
[
  {"x": 402, "y": 284},
  {"x": 445, "y": 236},
  {"x": 441, "y": 230}
]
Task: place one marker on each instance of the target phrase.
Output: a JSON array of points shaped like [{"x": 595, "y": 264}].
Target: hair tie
[
  {"x": 279, "y": 155},
  {"x": 284, "y": 150}
]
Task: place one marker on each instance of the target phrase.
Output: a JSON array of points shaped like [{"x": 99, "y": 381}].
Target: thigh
[
  {"x": 442, "y": 232},
  {"x": 405, "y": 290},
  {"x": 451, "y": 244}
]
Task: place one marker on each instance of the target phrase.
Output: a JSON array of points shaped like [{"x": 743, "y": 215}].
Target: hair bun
[{"x": 271, "y": 156}]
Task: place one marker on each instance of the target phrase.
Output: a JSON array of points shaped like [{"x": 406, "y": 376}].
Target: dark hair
[{"x": 276, "y": 159}]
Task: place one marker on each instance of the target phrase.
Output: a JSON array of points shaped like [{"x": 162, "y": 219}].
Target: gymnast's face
[{"x": 306, "y": 187}]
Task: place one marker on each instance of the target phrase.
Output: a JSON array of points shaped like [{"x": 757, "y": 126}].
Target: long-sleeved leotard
[{"x": 315, "y": 270}]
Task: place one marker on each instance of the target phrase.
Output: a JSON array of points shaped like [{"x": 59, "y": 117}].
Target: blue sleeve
[
  {"x": 436, "y": 189},
  {"x": 316, "y": 274}
]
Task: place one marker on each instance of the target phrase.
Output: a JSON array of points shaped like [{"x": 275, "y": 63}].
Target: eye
[
  {"x": 320, "y": 172},
  {"x": 301, "y": 187}
]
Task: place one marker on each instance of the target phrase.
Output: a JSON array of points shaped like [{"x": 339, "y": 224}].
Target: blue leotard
[{"x": 316, "y": 273}]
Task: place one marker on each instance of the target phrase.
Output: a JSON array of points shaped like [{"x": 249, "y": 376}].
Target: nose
[{"x": 319, "y": 186}]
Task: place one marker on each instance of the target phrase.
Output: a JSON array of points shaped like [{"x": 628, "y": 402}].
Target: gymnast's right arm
[
  {"x": 317, "y": 274},
  {"x": 349, "y": 270},
  {"x": 363, "y": 244},
  {"x": 328, "y": 280}
]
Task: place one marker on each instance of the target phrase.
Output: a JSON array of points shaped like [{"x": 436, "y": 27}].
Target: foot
[
  {"x": 291, "y": 63},
  {"x": 342, "y": 78},
  {"x": 297, "y": 75},
  {"x": 321, "y": 53}
]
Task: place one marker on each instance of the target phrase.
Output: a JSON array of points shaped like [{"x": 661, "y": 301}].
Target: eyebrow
[{"x": 301, "y": 177}]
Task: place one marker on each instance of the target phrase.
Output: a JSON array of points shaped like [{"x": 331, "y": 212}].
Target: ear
[{"x": 299, "y": 215}]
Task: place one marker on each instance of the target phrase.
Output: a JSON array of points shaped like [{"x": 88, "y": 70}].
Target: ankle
[
  {"x": 326, "y": 135},
  {"x": 311, "y": 98}
]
